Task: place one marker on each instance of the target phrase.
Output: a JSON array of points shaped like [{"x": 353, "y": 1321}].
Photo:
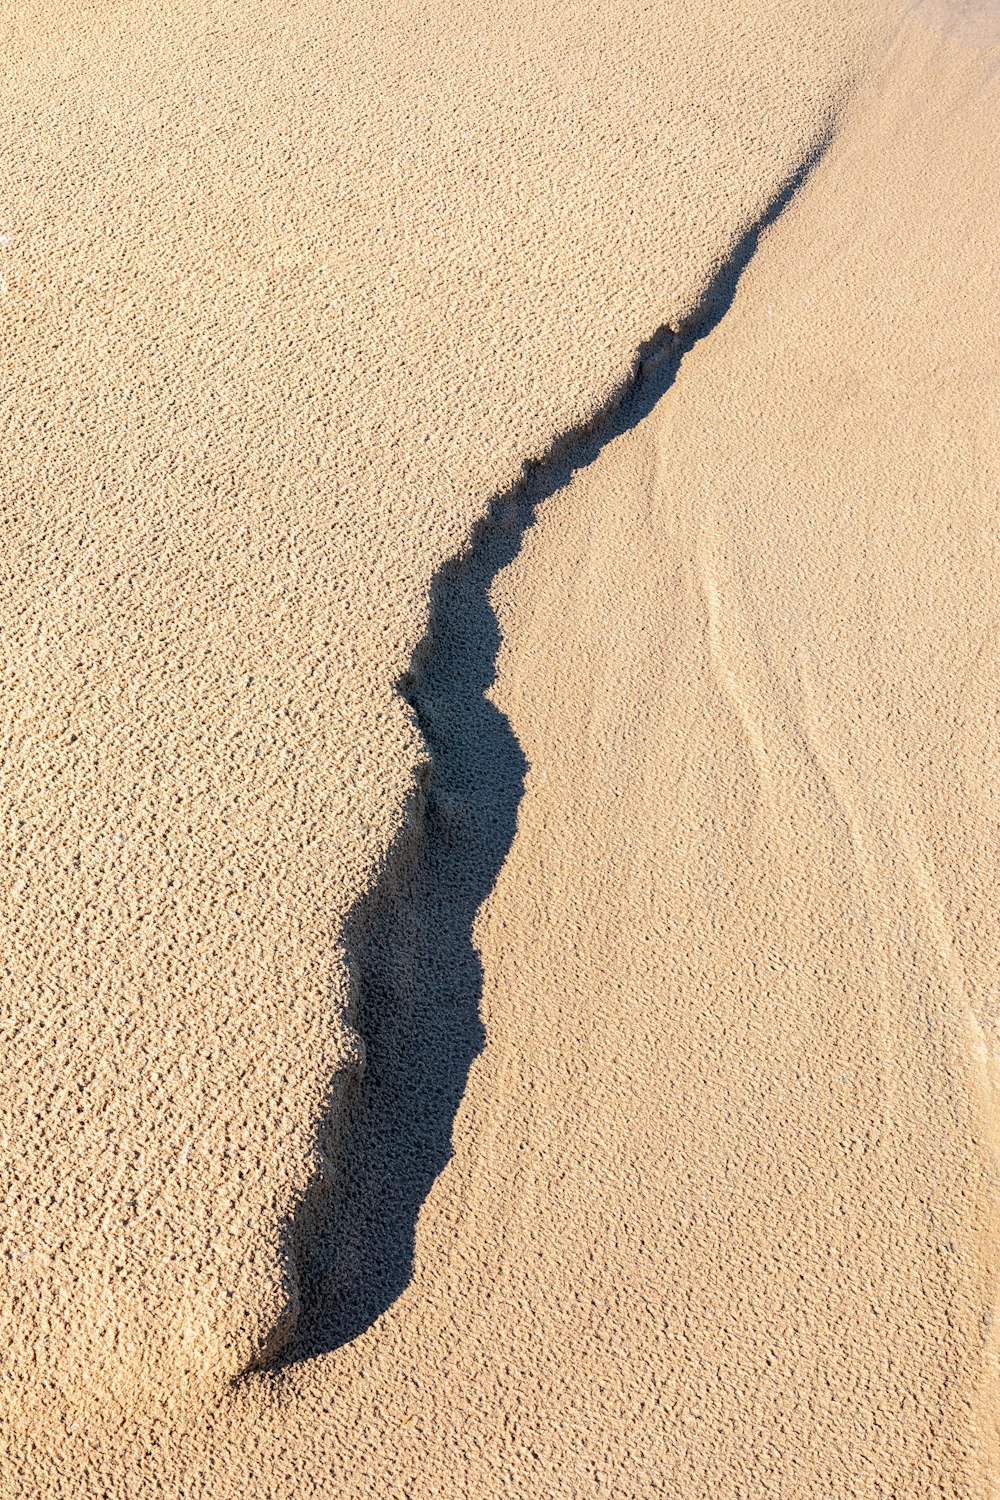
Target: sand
[{"x": 672, "y": 950}]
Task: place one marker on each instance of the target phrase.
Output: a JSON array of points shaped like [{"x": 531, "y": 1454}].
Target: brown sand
[{"x": 709, "y": 1037}]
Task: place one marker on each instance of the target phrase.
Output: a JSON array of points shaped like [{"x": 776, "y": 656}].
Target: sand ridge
[
  {"x": 721, "y": 1209},
  {"x": 669, "y": 1166},
  {"x": 289, "y": 294}
]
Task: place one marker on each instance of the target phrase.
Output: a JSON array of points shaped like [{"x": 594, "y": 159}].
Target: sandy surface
[
  {"x": 289, "y": 295},
  {"x": 671, "y": 1170}
]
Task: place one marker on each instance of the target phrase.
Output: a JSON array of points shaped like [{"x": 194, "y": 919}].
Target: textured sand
[
  {"x": 289, "y": 293},
  {"x": 686, "y": 957}
]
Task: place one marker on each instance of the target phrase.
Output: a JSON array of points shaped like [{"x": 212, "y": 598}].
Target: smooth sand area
[{"x": 672, "y": 1168}]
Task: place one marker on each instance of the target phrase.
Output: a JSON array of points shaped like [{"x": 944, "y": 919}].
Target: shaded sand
[
  {"x": 672, "y": 1171},
  {"x": 288, "y": 292}
]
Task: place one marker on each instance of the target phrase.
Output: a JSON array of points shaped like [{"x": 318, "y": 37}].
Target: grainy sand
[{"x": 671, "y": 1171}]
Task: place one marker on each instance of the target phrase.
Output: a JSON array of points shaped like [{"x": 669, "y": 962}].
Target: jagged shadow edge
[{"x": 650, "y": 374}]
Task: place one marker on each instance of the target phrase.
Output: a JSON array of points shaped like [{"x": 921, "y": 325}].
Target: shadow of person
[{"x": 415, "y": 971}]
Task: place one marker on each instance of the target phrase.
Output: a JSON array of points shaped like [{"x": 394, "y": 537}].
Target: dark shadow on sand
[{"x": 415, "y": 971}]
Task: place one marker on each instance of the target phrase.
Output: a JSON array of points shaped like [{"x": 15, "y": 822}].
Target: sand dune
[
  {"x": 671, "y": 1169},
  {"x": 289, "y": 296}
]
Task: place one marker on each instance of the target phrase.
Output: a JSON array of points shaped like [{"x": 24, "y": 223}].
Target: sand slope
[
  {"x": 672, "y": 1171},
  {"x": 746, "y": 941},
  {"x": 721, "y": 1216},
  {"x": 288, "y": 293}
]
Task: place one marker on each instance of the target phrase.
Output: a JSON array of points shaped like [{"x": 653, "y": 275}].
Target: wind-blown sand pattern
[{"x": 673, "y": 949}]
